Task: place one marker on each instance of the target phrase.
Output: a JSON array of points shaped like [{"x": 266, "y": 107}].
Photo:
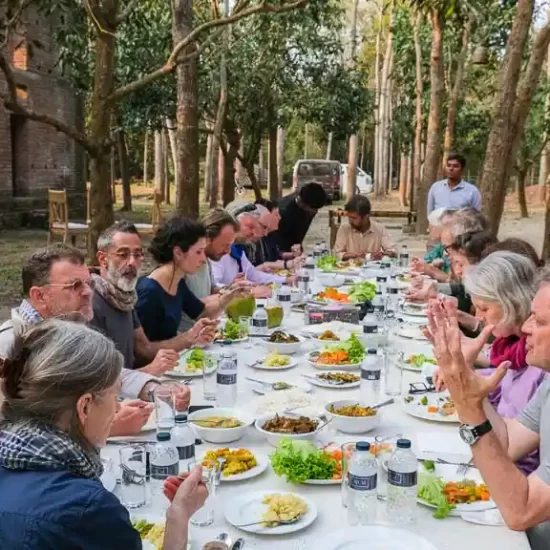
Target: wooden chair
[
  {"x": 151, "y": 228},
  {"x": 58, "y": 219}
]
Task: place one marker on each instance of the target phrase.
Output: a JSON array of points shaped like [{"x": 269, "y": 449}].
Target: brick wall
[{"x": 42, "y": 158}]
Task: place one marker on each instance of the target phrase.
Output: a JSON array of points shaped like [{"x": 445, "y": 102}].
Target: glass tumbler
[
  {"x": 393, "y": 372},
  {"x": 133, "y": 467},
  {"x": 244, "y": 328},
  {"x": 165, "y": 407},
  {"x": 348, "y": 450},
  {"x": 209, "y": 385},
  {"x": 205, "y": 515}
]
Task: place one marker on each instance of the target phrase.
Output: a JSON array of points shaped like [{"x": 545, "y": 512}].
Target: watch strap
[{"x": 482, "y": 429}]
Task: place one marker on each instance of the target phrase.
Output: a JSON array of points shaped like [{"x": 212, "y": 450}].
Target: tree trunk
[
  {"x": 272, "y": 177},
  {"x": 456, "y": 93},
  {"x": 112, "y": 159},
  {"x": 209, "y": 169},
  {"x": 160, "y": 175},
  {"x": 433, "y": 146},
  {"x": 523, "y": 212},
  {"x": 305, "y": 141},
  {"x": 280, "y": 158},
  {"x": 410, "y": 185},
  {"x": 546, "y": 245},
  {"x": 124, "y": 172},
  {"x": 166, "y": 152},
  {"x": 403, "y": 177},
  {"x": 187, "y": 185},
  {"x": 498, "y": 145},
  {"x": 239, "y": 168},
  {"x": 146, "y": 157},
  {"x": 545, "y": 158},
  {"x": 261, "y": 166},
  {"x": 101, "y": 198},
  {"x": 173, "y": 147},
  {"x": 221, "y": 176},
  {"x": 417, "y": 161},
  {"x": 329, "y": 145}
]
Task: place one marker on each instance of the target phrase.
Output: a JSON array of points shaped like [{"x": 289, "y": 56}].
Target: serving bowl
[
  {"x": 285, "y": 349},
  {"x": 273, "y": 438},
  {"x": 331, "y": 280},
  {"x": 352, "y": 424},
  {"x": 221, "y": 435}
]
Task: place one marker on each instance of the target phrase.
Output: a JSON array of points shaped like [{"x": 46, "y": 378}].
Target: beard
[{"x": 124, "y": 279}]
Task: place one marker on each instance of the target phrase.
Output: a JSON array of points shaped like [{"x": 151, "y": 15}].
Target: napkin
[
  {"x": 439, "y": 445},
  {"x": 487, "y": 517}
]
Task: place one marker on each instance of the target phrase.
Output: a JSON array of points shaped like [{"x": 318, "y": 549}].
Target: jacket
[{"x": 52, "y": 510}]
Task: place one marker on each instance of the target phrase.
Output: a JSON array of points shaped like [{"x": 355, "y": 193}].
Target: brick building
[{"x": 34, "y": 156}]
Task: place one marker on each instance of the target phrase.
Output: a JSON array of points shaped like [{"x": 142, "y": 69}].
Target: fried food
[
  {"x": 286, "y": 425},
  {"x": 236, "y": 461},
  {"x": 282, "y": 508},
  {"x": 354, "y": 410}
]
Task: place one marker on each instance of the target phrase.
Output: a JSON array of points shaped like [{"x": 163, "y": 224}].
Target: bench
[{"x": 335, "y": 219}]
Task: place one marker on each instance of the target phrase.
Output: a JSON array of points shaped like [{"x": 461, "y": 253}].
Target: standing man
[
  {"x": 454, "y": 192},
  {"x": 297, "y": 211},
  {"x": 362, "y": 235}
]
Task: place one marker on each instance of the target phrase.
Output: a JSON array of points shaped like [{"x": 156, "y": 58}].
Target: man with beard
[
  {"x": 120, "y": 256},
  {"x": 362, "y": 235},
  {"x": 56, "y": 282}
]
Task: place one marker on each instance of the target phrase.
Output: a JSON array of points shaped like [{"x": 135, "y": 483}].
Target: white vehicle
[{"x": 363, "y": 182}]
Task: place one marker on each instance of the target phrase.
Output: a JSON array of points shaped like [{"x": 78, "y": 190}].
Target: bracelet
[{"x": 285, "y": 264}]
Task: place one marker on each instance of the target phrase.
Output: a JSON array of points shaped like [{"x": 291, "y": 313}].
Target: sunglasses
[{"x": 246, "y": 208}]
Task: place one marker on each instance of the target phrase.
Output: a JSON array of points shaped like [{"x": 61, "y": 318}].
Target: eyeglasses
[
  {"x": 78, "y": 285},
  {"x": 246, "y": 208},
  {"x": 125, "y": 255}
]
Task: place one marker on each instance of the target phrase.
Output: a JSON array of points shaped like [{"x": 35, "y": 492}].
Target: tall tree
[{"x": 352, "y": 146}]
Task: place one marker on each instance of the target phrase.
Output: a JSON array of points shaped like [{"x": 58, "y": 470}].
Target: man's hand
[
  {"x": 187, "y": 493},
  {"x": 182, "y": 394},
  {"x": 423, "y": 294},
  {"x": 201, "y": 333},
  {"x": 468, "y": 389},
  {"x": 262, "y": 291},
  {"x": 164, "y": 361},
  {"x": 131, "y": 417},
  {"x": 267, "y": 267},
  {"x": 417, "y": 265}
]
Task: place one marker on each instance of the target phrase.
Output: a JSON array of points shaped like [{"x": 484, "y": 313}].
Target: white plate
[
  {"x": 412, "y": 368},
  {"x": 448, "y": 473},
  {"x": 262, "y": 462},
  {"x": 180, "y": 371},
  {"x": 322, "y": 482},
  {"x": 412, "y": 333},
  {"x": 351, "y": 366},
  {"x": 248, "y": 508},
  {"x": 374, "y": 537},
  {"x": 261, "y": 366},
  {"x": 312, "y": 379},
  {"x": 412, "y": 311},
  {"x": 154, "y": 518},
  {"x": 418, "y": 410},
  {"x": 260, "y": 389}
]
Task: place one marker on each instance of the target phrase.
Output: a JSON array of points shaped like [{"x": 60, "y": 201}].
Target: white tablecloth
[{"x": 449, "y": 534}]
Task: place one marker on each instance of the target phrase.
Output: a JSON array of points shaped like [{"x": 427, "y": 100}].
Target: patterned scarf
[
  {"x": 28, "y": 314},
  {"x": 33, "y": 446},
  {"x": 122, "y": 300}
]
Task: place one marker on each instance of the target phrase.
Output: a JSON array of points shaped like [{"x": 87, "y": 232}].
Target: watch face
[{"x": 467, "y": 435}]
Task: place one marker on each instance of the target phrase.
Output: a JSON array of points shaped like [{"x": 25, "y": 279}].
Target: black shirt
[{"x": 294, "y": 223}]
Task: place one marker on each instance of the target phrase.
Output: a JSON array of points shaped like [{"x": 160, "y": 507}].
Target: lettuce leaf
[{"x": 430, "y": 489}]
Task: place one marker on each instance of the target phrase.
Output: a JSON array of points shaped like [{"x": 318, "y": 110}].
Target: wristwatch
[{"x": 471, "y": 434}]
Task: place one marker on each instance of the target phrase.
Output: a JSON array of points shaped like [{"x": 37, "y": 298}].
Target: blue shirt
[
  {"x": 463, "y": 195},
  {"x": 45, "y": 510},
  {"x": 160, "y": 313}
]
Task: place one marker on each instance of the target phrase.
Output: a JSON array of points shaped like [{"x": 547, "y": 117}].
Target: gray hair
[
  {"x": 50, "y": 366},
  {"x": 505, "y": 278},
  {"x": 543, "y": 277},
  {"x": 466, "y": 220},
  {"x": 434, "y": 219},
  {"x": 105, "y": 240}
]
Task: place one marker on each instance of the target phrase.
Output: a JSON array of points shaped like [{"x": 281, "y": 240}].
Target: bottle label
[
  {"x": 402, "y": 479},
  {"x": 186, "y": 452},
  {"x": 226, "y": 379},
  {"x": 373, "y": 375},
  {"x": 362, "y": 483},
  {"x": 370, "y": 329},
  {"x": 259, "y": 323},
  {"x": 283, "y": 298},
  {"x": 381, "y": 279},
  {"x": 378, "y": 308},
  {"x": 162, "y": 472}
]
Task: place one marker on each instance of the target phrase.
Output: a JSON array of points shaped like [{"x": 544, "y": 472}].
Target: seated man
[
  {"x": 120, "y": 255},
  {"x": 236, "y": 264},
  {"x": 56, "y": 282},
  {"x": 362, "y": 235}
]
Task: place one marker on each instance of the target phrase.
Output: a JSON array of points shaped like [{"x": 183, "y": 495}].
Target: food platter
[
  {"x": 411, "y": 332},
  {"x": 317, "y": 381},
  {"x": 260, "y": 365},
  {"x": 349, "y": 366},
  {"x": 262, "y": 462},
  {"x": 420, "y": 410}
]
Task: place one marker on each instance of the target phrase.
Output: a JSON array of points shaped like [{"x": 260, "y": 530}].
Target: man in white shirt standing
[{"x": 453, "y": 192}]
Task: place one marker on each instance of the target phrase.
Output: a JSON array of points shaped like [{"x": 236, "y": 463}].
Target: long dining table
[{"x": 452, "y": 533}]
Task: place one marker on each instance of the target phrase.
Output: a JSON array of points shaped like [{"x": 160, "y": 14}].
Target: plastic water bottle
[
  {"x": 226, "y": 395},
  {"x": 371, "y": 370},
  {"x": 317, "y": 251},
  {"x": 382, "y": 280},
  {"x": 284, "y": 298},
  {"x": 392, "y": 299},
  {"x": 259, "y": 320},
  {"x": 183, "y": 437},
  {"x": 370, "y": 330},
  {"x": 303, "y": 281},
  {"x": 404, "y": 257},
  {"x": 379, "y": 307},
  {"x": 362, "y": 485},
  {"x": 402, "y": 483},
  {"x": 164, "y": 462},
  {"x": 309, "y": 266},
  {"x": 324, "y": 249}
]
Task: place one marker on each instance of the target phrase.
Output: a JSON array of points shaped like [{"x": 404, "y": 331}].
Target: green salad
[
  {"x": 231, "y": 330},
  {"x": 195, "y": 360},
  {"x": 361, "y": 292},
  {"x": 352, "y": 346},
  {"x": 430, "y": 489},
  {"x": 419, "y": 360},
  {"x": 326, "y": 263},
  {"x": 299, "y": 461}
]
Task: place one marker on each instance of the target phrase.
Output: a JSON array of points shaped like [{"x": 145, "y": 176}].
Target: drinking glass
[
  {"x": 384, "y": 446},
  {"x": 244, "y": 328},
  {"x": 205, "y": 515},
  {"x": 348, "y": 449},
  {"x": 209, "y": 385},
  {"x": 393, "y": 373},
  {"x": 165, "y": 407},
  {"x": 133, "y": 466}
]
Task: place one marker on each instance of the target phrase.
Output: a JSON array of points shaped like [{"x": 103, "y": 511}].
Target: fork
[{"x": 463, "y": 468}]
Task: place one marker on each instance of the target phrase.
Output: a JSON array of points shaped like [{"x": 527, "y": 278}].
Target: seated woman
[
  {"x": 179, "y": 249},
  {"x": 502, "y": 288},
  {"x": 61, "y": 385}
]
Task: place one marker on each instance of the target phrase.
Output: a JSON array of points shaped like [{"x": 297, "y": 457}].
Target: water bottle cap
[
  {"x": 163, "y": 436},
  {"x": 181, "y": 418},
  {"x": 371, "y": 351},
  {"x": 403, "y": 444},
  {"x": 362, "y": 446}
]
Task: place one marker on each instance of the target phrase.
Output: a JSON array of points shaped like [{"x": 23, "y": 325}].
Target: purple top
[
  {"x": 227, "y": 269},
  {"x": 512, "y": 396}
]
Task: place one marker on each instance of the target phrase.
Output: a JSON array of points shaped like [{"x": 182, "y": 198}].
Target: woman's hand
[{"x": 187, "y": 493}]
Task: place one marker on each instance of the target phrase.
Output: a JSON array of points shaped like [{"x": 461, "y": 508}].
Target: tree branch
[
  {"x": 174, "y": 60},
  {"x": 10, "y": 79},
  {"x": 24, "y": 4},
  {"x": 124, "y": 14}
]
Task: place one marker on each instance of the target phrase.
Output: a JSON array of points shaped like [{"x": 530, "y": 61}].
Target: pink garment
[{"x": 511, "y": 348}]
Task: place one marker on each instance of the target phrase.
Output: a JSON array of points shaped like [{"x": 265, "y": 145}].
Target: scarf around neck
[
  {"x": 122, "y": 300},
  {"x": 34, "y": 446}
]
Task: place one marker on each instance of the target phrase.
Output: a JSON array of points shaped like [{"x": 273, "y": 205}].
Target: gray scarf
[{"x": 122, "y": 300}]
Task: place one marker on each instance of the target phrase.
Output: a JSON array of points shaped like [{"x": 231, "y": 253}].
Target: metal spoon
[{"x": 274, "y": 387}]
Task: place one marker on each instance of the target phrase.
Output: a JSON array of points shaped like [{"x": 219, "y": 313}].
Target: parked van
[
  {"x": 325, "y": 172},
  {"x": 363, "y": 182}
]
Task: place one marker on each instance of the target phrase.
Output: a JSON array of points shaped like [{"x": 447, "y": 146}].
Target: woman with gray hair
[
  {"x": 502, "y": 287},
  {"x": 60, "y": 385}
]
